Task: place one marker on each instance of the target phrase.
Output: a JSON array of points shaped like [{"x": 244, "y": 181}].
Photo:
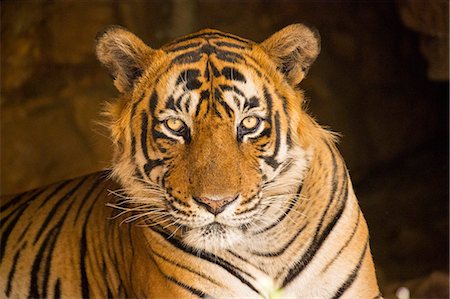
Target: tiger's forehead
[
  {"x": 208, "y": 40},
  {"x": 209, "y": 70}
]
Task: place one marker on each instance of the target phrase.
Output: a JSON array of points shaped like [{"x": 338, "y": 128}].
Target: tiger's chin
[{"x": 213, "y": 237}]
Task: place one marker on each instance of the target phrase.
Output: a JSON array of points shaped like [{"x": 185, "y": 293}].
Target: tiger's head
[{"x": 210, "y": 136}]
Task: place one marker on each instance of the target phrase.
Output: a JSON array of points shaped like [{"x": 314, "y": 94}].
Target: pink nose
[{"x": 214, "y": 206}]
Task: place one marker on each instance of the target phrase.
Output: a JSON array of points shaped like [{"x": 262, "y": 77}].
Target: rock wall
[{"x": 369, "y": 83}]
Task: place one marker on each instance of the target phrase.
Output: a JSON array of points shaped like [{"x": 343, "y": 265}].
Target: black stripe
[
  {"x": 180, "y": 98},
  {"x": 48, "y": 246},
  {"x": 187, "y": 104},
  {"x": 219, "y": 99},
  {"x": 109, "y": 293},
  {"x": 55, "y": 207},
  {"x": 351, "y": 278},
  {"x": 247, "y": 261},
  {"x": 177, "y": 264},
  {"x": 204, "y": 96},
  {"x": 188, "y": 57},
  {"x": 214, "y": 69},
  {"x": 189, "y": 77},
  {"x": 320, "y": 238},
  {"x": 23, "y": 233},
  {"x": 251, "y": 103},
  {"x": 185, "y": 47},
  {"x": 153, "y": 103},
  {"x": 190, "y": 289},
  {"x": 57, "y": 292},
  {"x": 233, "y": 74},
  {"x": 33, "y": 196},
  {"x": 58, "y": 228},
  {"x": 34, "y": 287},
  {"x": 170, "y": 103},
  {"x": 12, "y": 271},
  {"x": 46, "y": 275},
  {"x": 334, "y": 183},
  {"x": 206, "y": 35},
  {"x": 85, "y": 200},
  {"x": 229, "y": 56},
  {"x": 282, "y": 249},
  {"x": 144, "y": 128},
  {"x": 288, "y": 138},
  {"x": 18, "y": 212},
  {"x": 84, "y": 285},
  {"x": 50, "y": 197},
  {"x": 228, "y": 44},
  {"x": 11, "y": 202},
  {"x": 269, "y": 103},
  {"x": 346, "y": 243},
  {"x": 225, "y": 87},
  {"x": 212, "y": 258},
  {"x": 271, "y": 161},
  {"x": 133, "y": 138},
  {"x": 152, "y": 164}
]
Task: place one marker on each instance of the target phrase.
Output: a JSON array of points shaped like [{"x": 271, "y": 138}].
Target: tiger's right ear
[
  {"x": 293, "y": 49},
  {"x": 124, "y": 55}
]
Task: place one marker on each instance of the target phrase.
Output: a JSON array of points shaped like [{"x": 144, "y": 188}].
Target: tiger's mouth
[
  {"x": 214, "y": 228},
  {"x": 212, "y": 237},
  {"x": 205, "y": 230}
]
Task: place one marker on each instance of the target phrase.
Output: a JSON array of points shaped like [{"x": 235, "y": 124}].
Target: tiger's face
[{"x": 208, "y": 130}]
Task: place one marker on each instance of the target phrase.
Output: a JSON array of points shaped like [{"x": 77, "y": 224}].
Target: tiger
[{"x": 221, "y": 185}]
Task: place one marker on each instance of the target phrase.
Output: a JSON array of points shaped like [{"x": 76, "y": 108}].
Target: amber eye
[
  {"x": 175, "y": 125},
  {"x": 250, "y": 123}
]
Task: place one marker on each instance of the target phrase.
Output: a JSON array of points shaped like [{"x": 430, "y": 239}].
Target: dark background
[{"x": 381, "y": 80}]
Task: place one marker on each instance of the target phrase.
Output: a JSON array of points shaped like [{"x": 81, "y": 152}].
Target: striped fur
[{"x": 293, "y": 225}]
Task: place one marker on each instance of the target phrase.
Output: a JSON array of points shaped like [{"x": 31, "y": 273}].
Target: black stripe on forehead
[
  {"x": 207, "y": 36},
  {"x": 187, "y": 75},
  {"x": 218, "y": 96},
  {"x": 204, "y": 96},
  {"x": 190, "y": 78},
  {"x": 229, "y": 56},
  {"x": 233, "y": 74},
  {"x": 188, "y": 57},
  {"x": 208, "y": 49},
  {"x": 225, "y": 87},
  {"x": 251, "y": 103},
  {"x": 185, "y": 47},
  {"x": 228, "y": 44}
]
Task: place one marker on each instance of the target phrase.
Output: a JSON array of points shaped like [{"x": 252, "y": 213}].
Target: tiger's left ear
[
  {"x": 124, "y": 55},
  {"x": 294, "y": 48}
]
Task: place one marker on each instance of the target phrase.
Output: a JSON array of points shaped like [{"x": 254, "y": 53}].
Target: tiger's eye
[
  {"x": 175, "y": 124},
  {"x": 250, "y": 122}
]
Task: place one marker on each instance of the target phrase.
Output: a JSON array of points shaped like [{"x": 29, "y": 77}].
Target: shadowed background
[{"x": 381, "y": 80}]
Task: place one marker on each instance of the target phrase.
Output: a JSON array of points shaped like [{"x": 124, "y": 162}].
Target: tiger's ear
[
  {"x": 294, "y": 48},
  {"x": 124, "y": 55}
]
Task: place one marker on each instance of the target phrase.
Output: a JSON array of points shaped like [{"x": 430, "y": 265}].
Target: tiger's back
[{"x": 50, "y": 231}]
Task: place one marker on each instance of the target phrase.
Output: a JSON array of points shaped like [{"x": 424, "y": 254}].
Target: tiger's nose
[{"x": 214, "y": 205}]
